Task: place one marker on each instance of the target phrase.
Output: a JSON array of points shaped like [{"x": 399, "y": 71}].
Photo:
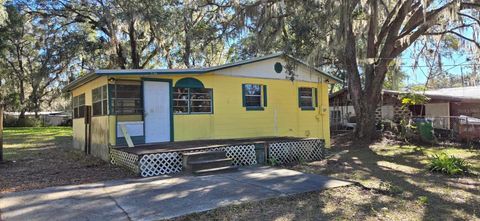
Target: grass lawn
[
  {"x": 393, "y": 181},
  {"x": 43, "y": 156},
  {"x": 393, "y": 185}
]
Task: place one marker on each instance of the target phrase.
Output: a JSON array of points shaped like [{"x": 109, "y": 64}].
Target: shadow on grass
[
  {"x": 439, "y": 190},
  {"x": 392, "y": 187}
]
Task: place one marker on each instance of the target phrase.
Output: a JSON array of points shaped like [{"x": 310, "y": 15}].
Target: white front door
[{"x": 156, "y": 98}]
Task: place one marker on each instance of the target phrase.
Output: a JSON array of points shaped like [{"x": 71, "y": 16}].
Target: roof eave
[
  {"x": 138, "y": 72},
  {"x": 79, "y": 82},
  {"x": 149, "y": 72},
  {"x": 184, "y": 71}
]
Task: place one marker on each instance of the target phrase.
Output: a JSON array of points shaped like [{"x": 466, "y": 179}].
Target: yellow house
[{"x": 270, "y": 96}]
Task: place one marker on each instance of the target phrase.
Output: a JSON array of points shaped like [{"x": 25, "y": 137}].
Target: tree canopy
[{"x": 48, "y": 43}]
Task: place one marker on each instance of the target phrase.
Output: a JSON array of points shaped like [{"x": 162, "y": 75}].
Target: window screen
[{"x": 192, "y": 100}]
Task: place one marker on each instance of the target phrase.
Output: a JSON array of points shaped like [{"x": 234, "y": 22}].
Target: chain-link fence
[{"x": 456, "y": 128}]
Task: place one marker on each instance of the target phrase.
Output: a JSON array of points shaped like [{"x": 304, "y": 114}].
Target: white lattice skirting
[
  {"x": 242, "y": 155},
  {"x": 167, "y": 163},
  {"x": 296, "y": 151},
  {"x": 124, "y": 159}
]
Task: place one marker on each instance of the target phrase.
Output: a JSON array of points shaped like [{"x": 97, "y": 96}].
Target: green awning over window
[{"x": 189, "y": 83}]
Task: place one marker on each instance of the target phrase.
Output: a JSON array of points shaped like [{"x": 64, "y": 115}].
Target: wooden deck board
[{"x": 198, "y": 144}]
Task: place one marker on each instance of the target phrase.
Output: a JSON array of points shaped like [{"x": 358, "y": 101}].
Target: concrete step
[
  {"x": 209, "y": 164},
  {"x": 216, "y": 170},
  {"x": 204, "y": 155}
]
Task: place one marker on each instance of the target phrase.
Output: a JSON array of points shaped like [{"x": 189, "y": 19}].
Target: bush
[
  {"x": 29, "y": 122},
  {"x": 450, "y": 165},
  {"x": 423, "y": 200},
  {"x": 10, "y": 121}
]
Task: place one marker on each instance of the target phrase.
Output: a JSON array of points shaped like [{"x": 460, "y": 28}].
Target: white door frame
[{"x": 145, "y": 111}]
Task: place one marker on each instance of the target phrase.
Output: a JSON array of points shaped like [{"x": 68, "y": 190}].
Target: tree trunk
[
  {"x": 188, "y": 43},
  {"x": 364, "y": 97},
  {"x": 1, "y": 132},
  {"x": 21, "y": 116},
  {"x": 133, "y": 45},
  {"x": 365, "y": 128},
  {"x": 365, "y": 101}
]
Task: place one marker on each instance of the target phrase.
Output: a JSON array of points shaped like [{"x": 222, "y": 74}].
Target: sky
[
  {"x": 418, "y": 75},
  {"x": 456, "y": 64}
]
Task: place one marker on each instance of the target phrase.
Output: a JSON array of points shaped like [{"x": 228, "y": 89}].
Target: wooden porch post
[{"x": 88, "y": 128}]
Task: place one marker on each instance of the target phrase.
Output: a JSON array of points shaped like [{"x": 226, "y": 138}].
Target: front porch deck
[
  {"x": 198, "y": 145},
  {"x": 166, "y": 158}
]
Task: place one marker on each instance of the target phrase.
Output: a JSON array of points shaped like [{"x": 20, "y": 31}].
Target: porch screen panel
[{"x": 127, "y": 98}]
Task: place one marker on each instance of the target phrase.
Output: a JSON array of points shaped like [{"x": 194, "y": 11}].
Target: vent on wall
[{"x": 278, "y": 67}]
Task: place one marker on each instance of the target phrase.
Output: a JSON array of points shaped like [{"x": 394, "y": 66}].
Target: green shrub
[
  {"x": 28, "y": 121},
  {"x": 423, "y": 200},
  {"x": 450, "y": 165}
]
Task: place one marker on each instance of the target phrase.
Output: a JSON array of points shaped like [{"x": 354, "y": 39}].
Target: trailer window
[
  {"x": 79, "y": 106},
  {"x": 100, "y": 101}
]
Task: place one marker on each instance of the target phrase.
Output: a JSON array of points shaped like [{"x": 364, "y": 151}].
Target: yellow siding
[
  {"x": 87, "y": 89},
  {"x": 122, "y": 118},
  {"x": 99, "y": 141},
  {"x": 78, "y": 133},
  {"x": 281, "y": 117},
  {"x": 99, "y": 123},
  {"x": 112, "y": 133}
]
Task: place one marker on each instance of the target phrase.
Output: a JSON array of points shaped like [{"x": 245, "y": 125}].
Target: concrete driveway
[{"x": 159, "y": 197}]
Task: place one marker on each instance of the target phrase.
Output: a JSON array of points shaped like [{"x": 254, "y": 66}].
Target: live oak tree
[
  {"x": 387, "y": 30},
  {"x": 37, "y": 53},
  {"x": 137, "y": 34},
  {"x": 50, "y": 43},
  {"x": 365, "y": 37}
]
